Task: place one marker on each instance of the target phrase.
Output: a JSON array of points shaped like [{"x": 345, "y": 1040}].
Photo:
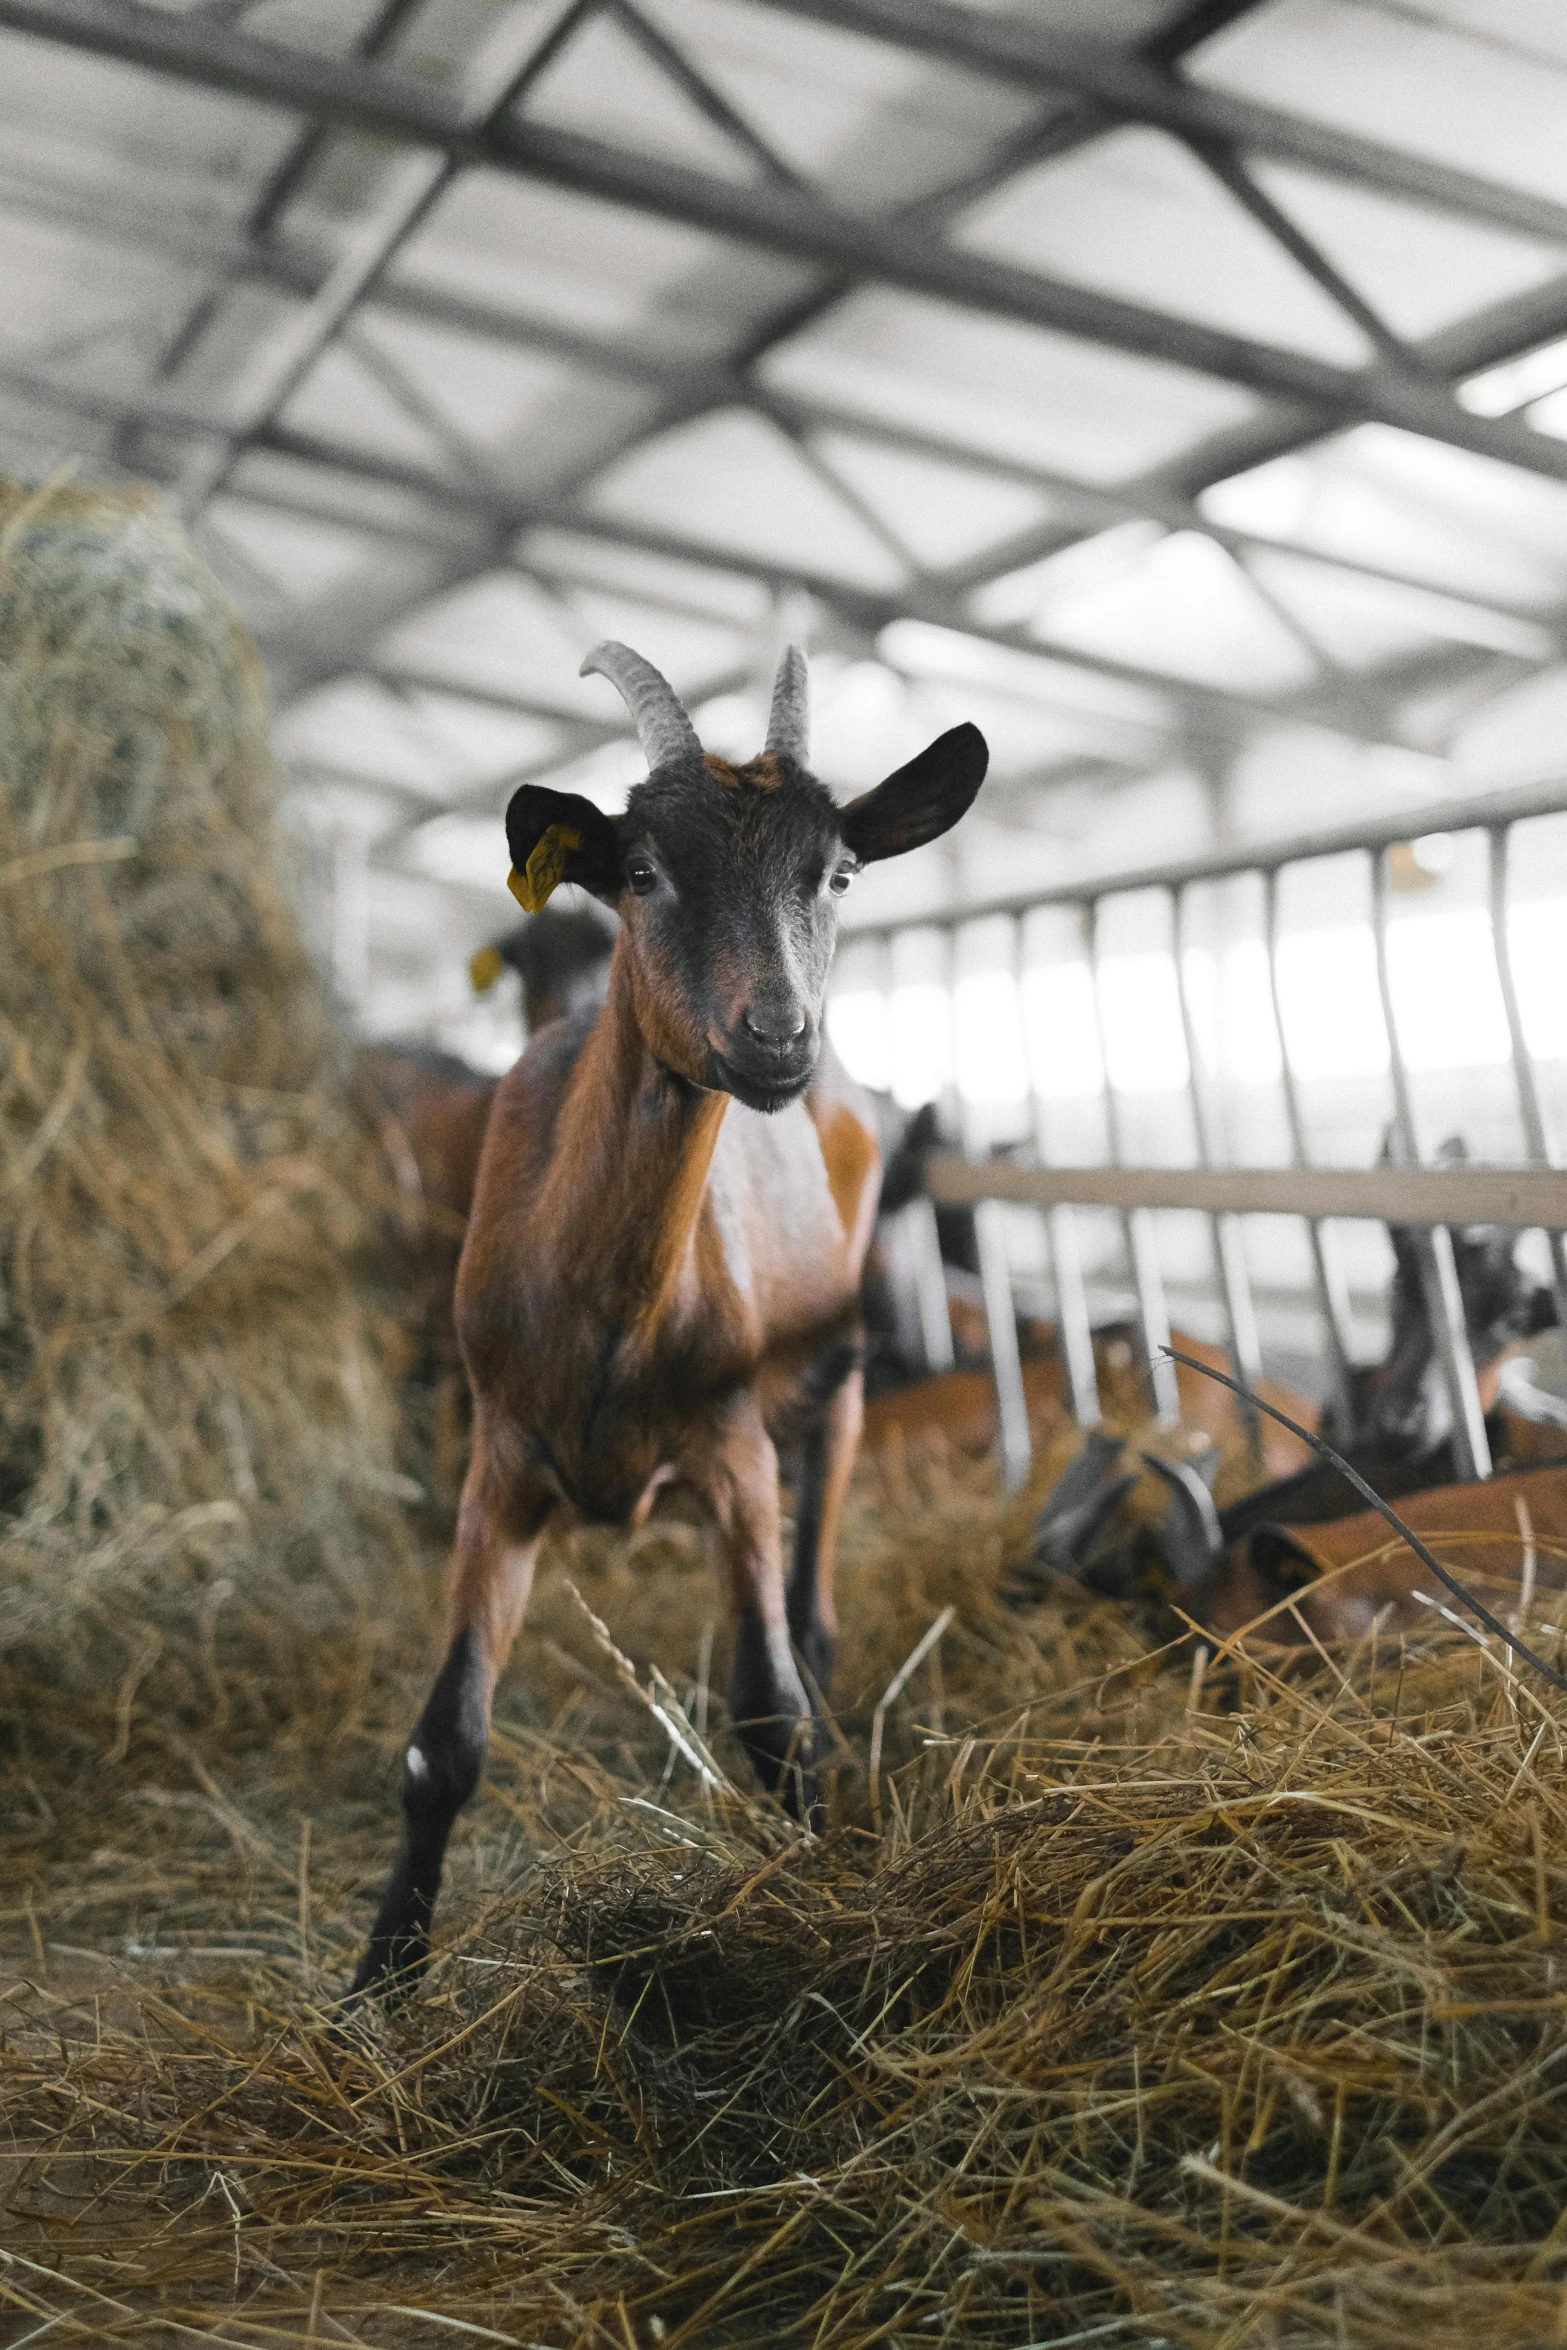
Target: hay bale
[{"x": 189, "y": 1394}]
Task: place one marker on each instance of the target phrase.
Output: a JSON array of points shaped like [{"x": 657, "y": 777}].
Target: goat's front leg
[
  {"x": 499, "y": 1524},
  {"x": 766, "y": 1694}
]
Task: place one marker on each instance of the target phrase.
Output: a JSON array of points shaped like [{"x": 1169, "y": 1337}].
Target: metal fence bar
[
  {"x": 1433, "y": 1247},
  {"x": 1523, "y": 1198},
  {"x": 1142, "y": 1241},
  {"x": 1536, "y": 1134},
  {"x": 1074, "y": 1329},
  {"x": 1326, "y": 1263},
  {"x": 995, "y": 1276},
  {"x": 1224, "y": 1232}
]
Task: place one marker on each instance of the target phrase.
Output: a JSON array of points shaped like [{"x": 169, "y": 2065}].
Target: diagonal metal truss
[{"x": 465, "y": 523}]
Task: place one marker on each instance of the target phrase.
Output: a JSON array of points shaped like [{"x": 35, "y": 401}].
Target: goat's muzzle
[{"x": 766, "y": 1060}]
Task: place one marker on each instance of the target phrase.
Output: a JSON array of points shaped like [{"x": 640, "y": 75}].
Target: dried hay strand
[
  {"x": 1180, "y": 1999},
  {"x": 193, "y": 1422}
]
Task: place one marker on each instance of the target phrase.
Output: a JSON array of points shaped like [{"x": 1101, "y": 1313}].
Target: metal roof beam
[
  {"x": 1028, "y": 52},
  {"x": 1088, "y": 505},
  {"x": 506, "y": 514},
  {"x": 778, "y": 219}
]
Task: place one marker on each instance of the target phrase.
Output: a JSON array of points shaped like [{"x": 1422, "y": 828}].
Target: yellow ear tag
[
  {"x": 545, "y": 869},
  {"x": 484, "y": 968}
]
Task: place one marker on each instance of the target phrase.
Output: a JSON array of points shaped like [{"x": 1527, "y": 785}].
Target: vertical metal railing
[
  {"x": 1433, "y": 1249},
  {"x": 1224, "y": 1232},
  {"x": 1435, "y": 1258},
  {"x": 920, "y": 1243},
  {"x": 1536, "y": 1134},
  {"x": 995, "y": 1279},
  {"x": 1142, "y": 1239},
  {"x": 1327, "y": 1265},
  {"x": 1074, "y": 1325}
]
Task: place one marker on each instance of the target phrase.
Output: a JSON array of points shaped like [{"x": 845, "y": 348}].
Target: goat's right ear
[
  {"x": 557, "y": 836},
  {"x": 918, "y": 802}
]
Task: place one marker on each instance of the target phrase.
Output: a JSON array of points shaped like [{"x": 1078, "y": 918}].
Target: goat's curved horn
[
  {"x": 789, "y": 721},
  {"x": 663, "y": 729}
]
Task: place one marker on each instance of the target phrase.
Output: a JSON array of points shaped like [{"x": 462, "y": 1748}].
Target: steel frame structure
[
  {"x": 465, "y": 524},
  {"x": 1428, "y": 1199}
]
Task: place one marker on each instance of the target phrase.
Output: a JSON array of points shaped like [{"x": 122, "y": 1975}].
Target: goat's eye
[
  {"x": 642, "y": 875},
  {"x": 841, "y": 880}
]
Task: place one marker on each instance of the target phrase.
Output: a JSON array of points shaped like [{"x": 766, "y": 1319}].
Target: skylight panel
[
  {"x": 498, "y": 412},
  {"x": 736, "y": 482},
  {"x": 1134, "y": 213},
  {"x": 599, "y": 267},
  {"x": 1363, "y": 623},
  {"x": 863, "y": 120},
  {"x": 1418, "y": 269},
  {"x": 505, "y": 635},
  {"x": 1007, "y": 390},
  {"x": 690, "y": 652},
  {"x": 1468, "y": 102},
  {"x": 1186, "y": 607},
  {"x": 1501, "y": 390},
  {"x": 944, "y": 514},
  {"x": 1462, "y": 521},
  {"x": 949, "y": 654},
  {"x": 603, "y": 85},
  {"x": 694, "y": 587}
]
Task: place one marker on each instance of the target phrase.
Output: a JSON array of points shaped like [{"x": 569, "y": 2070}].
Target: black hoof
[
  {"x": 784, "y": 1757},
  {"x": 390, "y": 1968}
]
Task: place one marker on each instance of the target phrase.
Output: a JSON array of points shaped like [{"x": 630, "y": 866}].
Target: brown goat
[
  {"x": 661, "y": 1277},
  {"x": 1342, "y": 1576}
]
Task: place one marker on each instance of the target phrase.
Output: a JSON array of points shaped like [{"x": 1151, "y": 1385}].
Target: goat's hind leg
[
  {"x": 490, "y": 1576},
  {"x": 834, "y": 1387}
]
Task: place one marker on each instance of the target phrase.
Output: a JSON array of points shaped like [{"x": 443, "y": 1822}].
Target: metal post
[
  {"x": 1536, "y": 1135},
  {"x": 1229, "y": 1247},
  {"x": 930, "y": 1283},
  {"x": 1443, "y": 1299},
  {"x": 995, "y": 1275},
  {"x": 1327, "y": 1266},
  {"x": 1074, "y": 1330},
  {"x": 1142, "y": 1245}
]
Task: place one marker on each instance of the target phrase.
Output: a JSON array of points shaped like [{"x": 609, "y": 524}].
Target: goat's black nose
[{"x": 774, "y": 1023}]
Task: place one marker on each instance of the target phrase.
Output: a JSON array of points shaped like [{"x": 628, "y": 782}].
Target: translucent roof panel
[
  {"x": 864, "y": 121},
  {"x": 541, "y": 253},
  {"x": 91, "y": 125},
  {"x": 1467, "y": 97},
  {"x": 1135, "y": 213},
  {"x": 681, "y": 585},
  {"x": 1451, "y": 518},
  {"x": 544, "y": 416},
  {"x": 433, "y": 745},
  {"x": 1420, "y": 270},
  {"x": 1186, "y": 606},
  {"x": 1012, "y": 391},
  {"x": 943, "y": 513},
  {"x": 496, "y": 414},
  {"x": 736, "y": 481}
]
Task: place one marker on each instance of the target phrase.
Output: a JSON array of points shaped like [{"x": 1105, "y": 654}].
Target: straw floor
[
  {"x": 1135, "y": 1994},
  {"x": 1140, "y": 2001}
]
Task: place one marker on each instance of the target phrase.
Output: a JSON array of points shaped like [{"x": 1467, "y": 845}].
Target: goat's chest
[{"x": 619, "y": 1409}]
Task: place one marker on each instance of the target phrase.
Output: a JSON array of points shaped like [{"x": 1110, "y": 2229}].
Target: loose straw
[{"x": 893, "y": 1691}]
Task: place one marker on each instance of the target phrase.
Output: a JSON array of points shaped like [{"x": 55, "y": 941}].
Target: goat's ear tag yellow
[
  {"x": 484, "y": 968},
  {"x": 545, "y": 869}
]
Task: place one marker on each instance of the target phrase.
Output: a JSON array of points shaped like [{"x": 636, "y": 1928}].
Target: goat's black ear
[
  {"x": 921, "y": 801},
  {"x": 557, "y": 836}
]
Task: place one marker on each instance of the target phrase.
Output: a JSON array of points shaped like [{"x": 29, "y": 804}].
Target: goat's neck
[{"x": 634, "y": 1145}]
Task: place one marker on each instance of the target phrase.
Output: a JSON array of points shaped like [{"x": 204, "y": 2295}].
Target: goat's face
[{"x": 727, "y": 881}]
